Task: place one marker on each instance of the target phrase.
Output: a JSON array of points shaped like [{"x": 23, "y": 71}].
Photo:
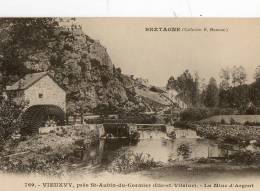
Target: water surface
[{"x": 157, "y": 145}]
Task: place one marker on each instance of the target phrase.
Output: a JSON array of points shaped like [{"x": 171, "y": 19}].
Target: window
[{"x": 40, "y": 95}]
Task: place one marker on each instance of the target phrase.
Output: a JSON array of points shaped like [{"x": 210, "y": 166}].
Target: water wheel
[{"x": 41, "y": 116}]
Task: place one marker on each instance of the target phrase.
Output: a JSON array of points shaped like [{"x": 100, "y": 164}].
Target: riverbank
[
  {"x": 47, "y": 153},
  {"x": 242, "y": 141},
  {"x": 229, "y": 133},
  {"x": 235, "y": 133},
  {"x": 194, "y": 171}
]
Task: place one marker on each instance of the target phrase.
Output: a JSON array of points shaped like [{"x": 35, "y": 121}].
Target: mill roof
[{"x": 27, "y": 81}]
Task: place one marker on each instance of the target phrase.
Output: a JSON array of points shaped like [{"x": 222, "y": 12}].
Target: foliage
[
  {"x": 257, "y": 72},
  {"x": 184, "y": 125},
  {"x": 248, "y": 123},
  {"x": 194, "y": 114},
  {"x": 23, "y": 37},
  {"x": 238, "y": 75},
  {"x": 105, "y": 109},
  {"x": 246, "y": 157},
  {"x": 187, "y": 86},
  {"x": 225, "y": 99},
  {"x": 78, "y": 63},
  {"x": 171, "y": 84},
  {"x": 211, "y": 94},
  {"x": 133, "y": 162},
  {"x": 254, "y": 93},
  {"x": 184, "y": 150},
  {"x": 237, "y": 97},
  {"x": 49, "y": 165},
  {"x": 11, "y": 117},
  {"x": 225, "y": 77},
  {"x": 232, "y": 92},
  {"x": 222, "y": 121},
  {"x": 232, "y": 121},
  {"x": 240, "y": 94}
]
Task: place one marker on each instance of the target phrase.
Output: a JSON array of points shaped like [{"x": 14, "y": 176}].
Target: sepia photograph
[{"x": 129, "y": 103}]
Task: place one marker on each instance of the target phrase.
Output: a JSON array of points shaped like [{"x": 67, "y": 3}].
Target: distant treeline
[{"x": 232, "y": 93}]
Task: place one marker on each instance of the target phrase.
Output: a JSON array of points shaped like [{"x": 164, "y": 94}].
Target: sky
[{"x": 158, "y": 55}]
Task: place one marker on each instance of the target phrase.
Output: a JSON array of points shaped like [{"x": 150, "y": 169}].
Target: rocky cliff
[{"x": 78, "y": 63}]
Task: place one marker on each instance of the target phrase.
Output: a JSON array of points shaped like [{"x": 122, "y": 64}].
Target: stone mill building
[{"x": 46, "y": 101}]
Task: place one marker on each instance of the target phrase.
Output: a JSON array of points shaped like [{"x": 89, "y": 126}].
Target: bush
[
  {"x": 232, "y": 121},
  {"x": 247, "y": 157},
  {"x": 133, "y": 162},
  {"x": 251, "y": 110},
  {"x": 194, "y": 114},
  {"x": 223, "y": 121},
  {"x": 10, "y": 117},
  {"x": 181, "y": 124},
  {"x": 248, "y": 123}
]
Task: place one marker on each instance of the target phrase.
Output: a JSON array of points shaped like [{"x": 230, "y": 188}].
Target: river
[{"x": 157, "y": 145}]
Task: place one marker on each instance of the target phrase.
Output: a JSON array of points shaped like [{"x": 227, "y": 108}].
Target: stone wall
[
  {"x": 98, "y": 129},
  {"x": 236, "y": 133}
]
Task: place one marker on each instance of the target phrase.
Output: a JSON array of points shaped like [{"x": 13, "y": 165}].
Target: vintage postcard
[{"x": 129, "y": 104}]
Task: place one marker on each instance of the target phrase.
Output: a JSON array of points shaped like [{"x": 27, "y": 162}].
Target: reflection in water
[
  {"x": 157, "y": 144},
  {"x": 105, "y": 151},
  {"x": 184, "y": 150}
]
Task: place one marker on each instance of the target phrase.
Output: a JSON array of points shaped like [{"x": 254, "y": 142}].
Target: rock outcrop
[{"x": 77, "y": 62}]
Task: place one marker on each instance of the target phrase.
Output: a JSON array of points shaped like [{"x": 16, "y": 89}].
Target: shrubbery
[
  {"x": 248, "y": 123},
  {"x": 252, "y": 110},
  {"x": 193, "y": 114},
  {"x": 233, "y": 122},
  {"x": 11, "y": 118},
  {"x": 223, "y": 122},
  {"x": 246, "y": 157},
  {"x": 133, "y": 162},
  {"x": 199, "y": 113}
]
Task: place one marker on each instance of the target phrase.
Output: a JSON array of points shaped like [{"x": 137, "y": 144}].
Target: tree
[
  {"x": 20, "y": 38},
  {"x": 240, "y": 97},
  {"x": 224, "y": 87},
  {"x": 171, "y": 84},
  {"x": 225, "y": 77},
  {"x": 238, "y": 75},
  {"x": 187, "y": 87},
  {"x": 105, "y": 109},
  {"x": 254, "y": 92},
  {"x": 77, "y": 62},
  {"x": 11, "y": 117},
  {"x": 196, "y": 89},
  {"x": 257, "y": 73},
  {"x": 211, "y": 93}
]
